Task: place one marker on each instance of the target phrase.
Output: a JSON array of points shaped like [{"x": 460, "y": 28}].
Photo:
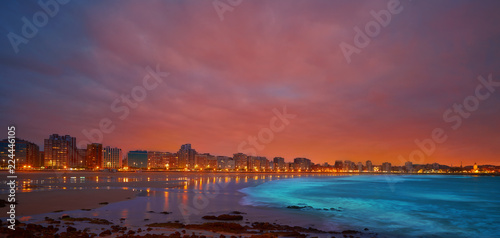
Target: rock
[
  {"x": 237, "y": 212},
  {"x": 224, "y": 217},
  {"x": 300, "y": 207},
  {"x": 105, "y": 233},
  {"x": 350, "y": 232}
]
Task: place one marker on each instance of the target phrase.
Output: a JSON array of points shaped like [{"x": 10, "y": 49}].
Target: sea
[{"x": 391, "y": 205}]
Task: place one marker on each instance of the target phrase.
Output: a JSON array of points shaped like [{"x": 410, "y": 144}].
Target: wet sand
[{"x": 32, "y": 203}]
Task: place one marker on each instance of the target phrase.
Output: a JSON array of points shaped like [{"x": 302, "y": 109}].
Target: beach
[
  {"x": 138, "y": 200},
  {"x": 32, "y": 203},
  {"x": 252, "y": 204}
]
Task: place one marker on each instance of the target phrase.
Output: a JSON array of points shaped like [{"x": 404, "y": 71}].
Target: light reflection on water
[
  {"x": 155, "y": 191},
  {"x": 30, "y": 182}
]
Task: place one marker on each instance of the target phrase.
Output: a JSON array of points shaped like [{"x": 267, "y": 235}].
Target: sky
[{"x": 217, "y": 74}]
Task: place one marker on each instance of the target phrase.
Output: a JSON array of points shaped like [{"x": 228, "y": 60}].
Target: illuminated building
[
  {"x": 240, "y": 161},
  {"x": 172, "y": 160},
  {"x": 211, "y": 161},
  {"x": 94, "y": 156},
  {"x": 253, "y": 163},
  {"x": 409, "y": 167},
  {"x": 159, "y": 160},
  {"x": 60, "y": 151},
  {"x": 279, "y": 163},
  {"x": 230, "y": 165},
  {"x": 369, "y": 166},
  {"x": 137, "y": 159},
  {"x": 347, "y": 165},
  {"x": 223, "y": 162},
  {"x": 201, "y": 161},
  {"x": 303, "y": 164},
  {"x": 264, "y": 164},
  {"x": 41, "y": 158},
  {"x": 386, "y": 167},
  {"x": 186, "y": 156},
  {"x": 339, "y": 165},
  {"x": 82, "y": 157},
  {"x": 26, "y": 153},
  {"x": 112, "y": 158}
]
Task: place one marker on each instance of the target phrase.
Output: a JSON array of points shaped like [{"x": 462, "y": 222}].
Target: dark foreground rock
[{"x": 224, "y": 217}]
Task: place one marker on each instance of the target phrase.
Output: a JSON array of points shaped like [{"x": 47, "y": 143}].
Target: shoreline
[{"x": 241, "y": 172}]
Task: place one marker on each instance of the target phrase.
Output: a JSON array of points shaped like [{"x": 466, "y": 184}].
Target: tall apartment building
[
  {"x": 369, "y": 166},
  {"x": 112, "y": 157},
  {"x": 186, "y": 156},
  {"x": 409, "y": 166},
  {"x": 201, "y": 161},
  {"x": 386, "y": 167},
  {"x": 224, "y": 162},
  {"x": 26, "y": 153},
  {"x": 360, "y": 167},
  {"x": 279, "y": 162},
  {"x": 240, "y": 161},
  {"x": 172, "y": 160},
  {"x": 211, "y": 162},
  {"x": 339, "y": 165},
  {"x": 94, "y": 156},
  {"x": 253, "y": 163},
  {"x": 41, "y": 158},
  {"x": 264, "y": 164},
  {"x": 158, "y": 159},
  {"x": 82, "y": 157},
  {"x": 303, "y": 164},
  {"x": 137, "y": 159},
  {"x": 60, "y": 151}
]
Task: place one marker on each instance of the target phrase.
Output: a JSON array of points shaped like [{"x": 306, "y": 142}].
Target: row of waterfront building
[{"x": 61, "y": 152}]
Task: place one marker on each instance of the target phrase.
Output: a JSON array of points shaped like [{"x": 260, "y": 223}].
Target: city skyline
[
  {"x": 99, "y": 156},
  {"x": 425, "y": 85}
]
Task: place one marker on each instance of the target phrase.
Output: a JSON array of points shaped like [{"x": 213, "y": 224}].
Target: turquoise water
[{"x": 392, "y": 205}]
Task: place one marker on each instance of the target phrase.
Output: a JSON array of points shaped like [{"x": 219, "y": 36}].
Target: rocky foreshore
[{"x": 66, "y": 226}]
